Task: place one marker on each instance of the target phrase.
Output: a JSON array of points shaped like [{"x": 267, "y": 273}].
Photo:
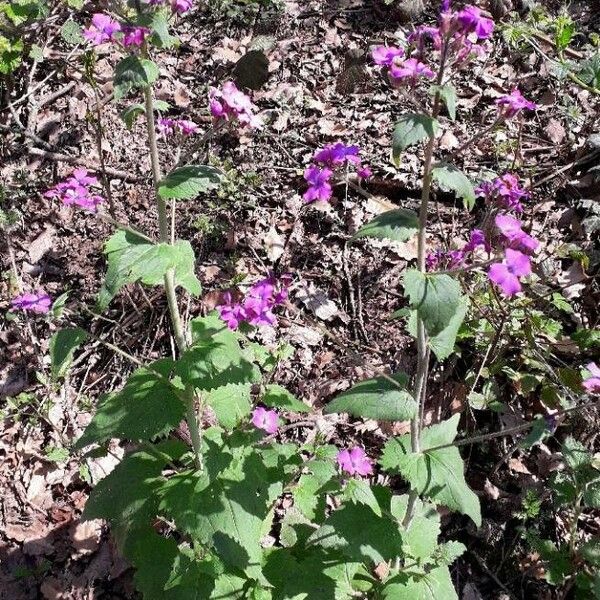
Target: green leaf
[
  {"x": 434, "y": 585},
  {"x": 398, "y": 225},
  {"x": 132, "y": 258},
  {"x": 186, "y": 183},
  {"x": 130, "y": 114},
  {"x": 210, "y": 365},
  {"x": 133, "y": 72},
  {"x": 436, "y": 298},
  {"x": 148, "y": 406},
  {"x": 575, "y": 454},
  {"x": 436, "y": 474},
  {"x": 159, "y": 25},
  {"x": 591, "y": 551},
  {"x": 62, "y": 348},
  {"x": 127, "y": 495},
  {"x": 72, "y": 33},
  {"x": 359, "y": 491},
  {"x": 451, "y": 179},
  {"x": 11, "y": 54},
  {"x": 276, "y": 396},
  {"x": 442, "y": 343},
  {"x": 591, "y": 495},
  {"x": 357, "y": 532},
  {"x": 447, "y": 553},
  {"x": 411, "y": 129},
  {"x": 447, "y": 93},
  {"x": 231, "y": 403},
  {"x": 420, "y": 538},
  {"x": 377, "y": 399}
]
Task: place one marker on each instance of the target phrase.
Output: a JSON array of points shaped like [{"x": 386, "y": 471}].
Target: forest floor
[{"x": 321, "y": 88}]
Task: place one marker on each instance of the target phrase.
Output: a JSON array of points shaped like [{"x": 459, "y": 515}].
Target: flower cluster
[
  {"x": 76, "y": 190},
  {"x": 455, "y": 258},
  {"x": 505, "y": 192},
  {"x": 461, "y": 33},
  {"x": 264, "y": 419},
  {"x": 326, "y": 161},
  {"x": 104, "y": 28},
  {"x": 231, "y": 103},
  {"x": 512, "y": 104},
  {"x": 168, "y": 126},
  {"x": 37, "y": 302},
  {"x": 355, "y": 461},
  {"x": 592, "y": 382},
  {"x": 257, "y": 306}
]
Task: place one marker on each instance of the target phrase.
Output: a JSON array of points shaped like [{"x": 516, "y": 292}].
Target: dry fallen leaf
[{"x": 275, "y": 244}]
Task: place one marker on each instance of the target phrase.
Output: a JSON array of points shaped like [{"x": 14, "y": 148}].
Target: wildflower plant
[{"x": 238, "y": 512}]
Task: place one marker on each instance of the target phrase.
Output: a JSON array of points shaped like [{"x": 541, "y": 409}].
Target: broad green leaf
[
  {"x": 159, "y": 25},
  {"x": 591, "y": 495},
  {"x": 435, "y": 297},
  {"x": 231, "y": 403},
  {"x": 434, "y": 585},
  {"x": 11, "y": 54},
  {"x": 130, "y": 114},
  {"x": 591, "y": 551},
  {"x": 436, "y": 474},
  {"x": 451, "y": 179},
  {"x": 357, "y": 532},
  {"x": 398, "y": 225},
  {"x": 411, "y": 129},
  {"x": 447, "y": 93},
  {"x": 447, "y": 553},
  {"x": 186, "y": 183},
  {"x": 133, "y": 72},
  {"x": 210, "y": 365},
  {"x": 442, "y": 343},
  {"x": 575, "y": 454},
  {"x": 72, "y": 32},
  {"x": 132, "y": 258},
  {"x": 359, "y": 491},
  {"x": 62, "y": 348},
  {"x": 310, "y": 491},
  {"x": 378, "y": 399},
  {"x": 276, "y": 396},
  {"x": 127, "y": 495},
  {"x": 148, "y": 406},
  {"x": 420, "y": 538}
]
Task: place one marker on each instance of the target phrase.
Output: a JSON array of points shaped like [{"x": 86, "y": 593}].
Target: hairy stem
[{"x": 176, "y": 321}]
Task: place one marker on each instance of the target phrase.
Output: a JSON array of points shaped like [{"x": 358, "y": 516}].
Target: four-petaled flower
[
  {"x": 102, "y": 29},
  {"x": 231, "y": 103},
  {"x": 512, "y": 104},
  {"x": 505, "y": 191},
  {"x": 384, "y": 55},
  {"x": 75, "y": 190},
  {"x": 134, "y": 36},
  {"x": 168, "y": 126},
  {"x": 355, "y": 461},
  {"x": 513, "y": 236},
  {"x": 337, "y": 154},
  {"x": 507, "y": 273},
  {"x": 411, "y": 69},
  {"x": 37, "y": 302},
  {"x": 264, "y": 419},
  {"x": 592, "y": 383},
  {"x": 471, "y": 21},
  {"x": 181, "y": 6},
  {"x": 319, "y": 186}
]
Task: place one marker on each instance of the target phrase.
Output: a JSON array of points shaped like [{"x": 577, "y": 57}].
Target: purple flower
[
  {"x": 471, "y": 21},
  {"x": 354, "y": 461},
  {"x": 267, "y": 420},
  {"x": 409, "y": 69},
  {"x": 75, "y": 190},
  {"x": 181, "y": 6},
  {"x": 229, "y": 102},
  {"x": 165, "y": 125},
  {"x": 423, "y": 33},
  {"x": 432, "y": 260},
  {"x": 364, "y": 172},
  {"x": 319, "y": 186},
  {"x": 37, "y": 302},
  {"x": 385, "y": 55},
  {"x": 592, "y": 383},
  {"x": 102, "y": 29},
  {"x": 505, "y": 191},
  {"x": 337, "y": 154},
  {"x": 513, "y": 236},
  {"x": 506, "y": 274},
  {"x": 187, "y": 127},
  {"x": 477, "y": 239},
  {"x": 168, "y": 126},
  {"x": 134, "y": 36},
  {"x": 513, "y": 103}
]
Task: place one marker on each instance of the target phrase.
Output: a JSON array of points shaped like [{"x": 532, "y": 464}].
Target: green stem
[{"x": 169, "y": 279}]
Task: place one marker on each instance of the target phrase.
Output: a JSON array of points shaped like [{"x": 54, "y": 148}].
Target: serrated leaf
[
  {"x": 276, "y": 396},
  {"x": 186, "y": 183},
  {"x": 591, "y": 495},
  {"x": 435, "y": 297},
  {"x": 398, "y": 225},
  {"x": 133, "y": 72},
  {"x": 575, "y": 454},
  {"x": 62, "y": 348},
  {"x": 447, "y": 93},
  {"x": 130, "y": 114},
  {"x": 436, "y": 474},
  {"x": 231, "y": 403},
  {"x": 159, "y": 26},
  {"x": 420, "y": 538},
  {"x": 442, "y": 343},
  {"x": 411, "y": 129},
  {"x": 434, "y": 585},
  {"x": 359, "y": 491},
  {"x": 72, "y": 32},
  {"x": 132, "y": 258},
  {"x": 378, "y": 399},
  {"x": 447, "y": 553},
  {"x": 146, "y": 407},
  {"x": 451, "y": 179}
]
